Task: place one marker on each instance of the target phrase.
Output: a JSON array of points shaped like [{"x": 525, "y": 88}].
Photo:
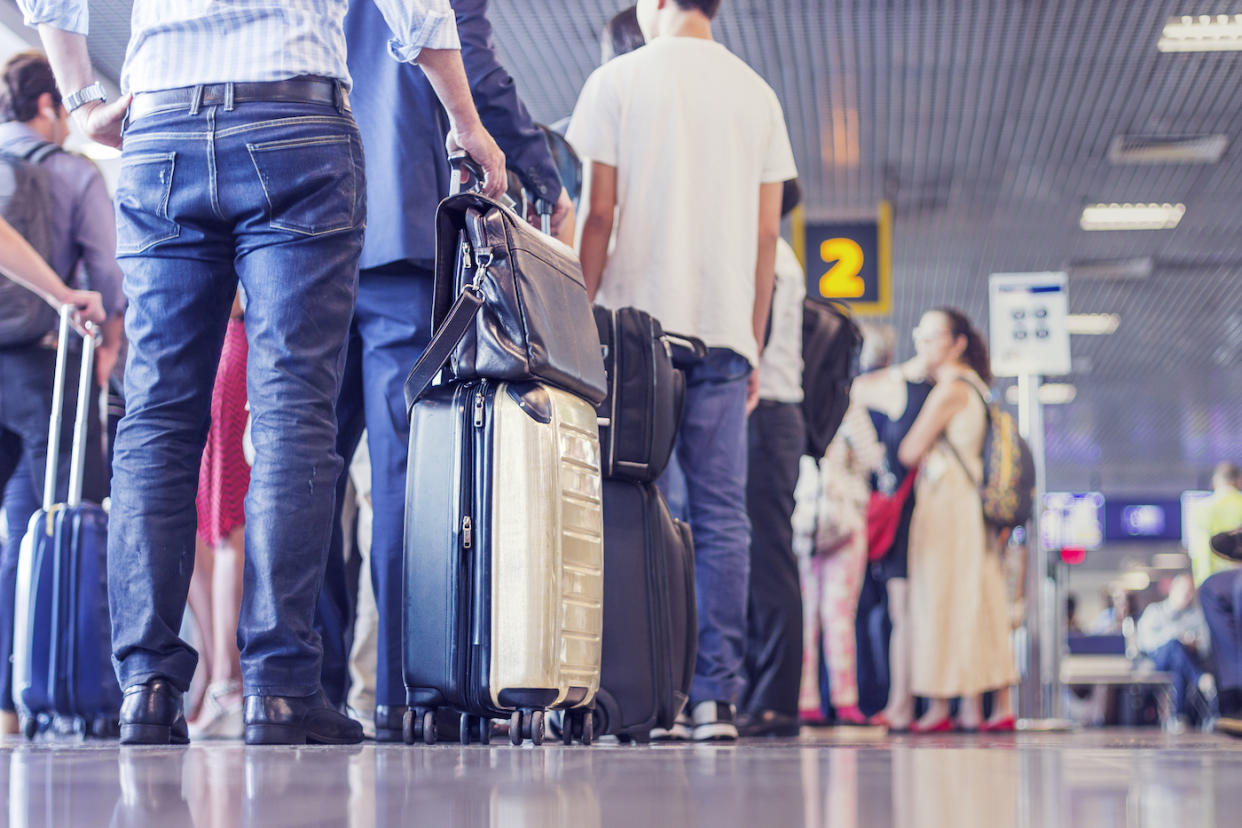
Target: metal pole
[{"x": 1040, "y": 693}]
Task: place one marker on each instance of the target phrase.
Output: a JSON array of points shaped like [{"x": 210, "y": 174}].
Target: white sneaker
[
  {"x": 681, "y": 731},
  {"x": 221, "y": 714},
  {"x": 713, "y": 722}
]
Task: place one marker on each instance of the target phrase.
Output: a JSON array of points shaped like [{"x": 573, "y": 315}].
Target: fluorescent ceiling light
[
  {"x": 1092, "y": 324},
  {"x": 1204, "y": 33},
  {"x": 1190, "y": 149},
  {"x": 1132, "y": 216},
  {"x": 1050, "y": 393},
  {"x": 1112, "y": 270}
]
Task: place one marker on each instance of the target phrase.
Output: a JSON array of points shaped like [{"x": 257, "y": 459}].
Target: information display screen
[
  {"x": 1072, "y": 520},
  {"x": 1156, "y": 519}
]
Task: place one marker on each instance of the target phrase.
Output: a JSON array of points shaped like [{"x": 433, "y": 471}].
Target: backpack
[
  {"x": 831, "y": 343},
  {"x": 26, "y": 203},
  {"x": 1007, "y": 490}
]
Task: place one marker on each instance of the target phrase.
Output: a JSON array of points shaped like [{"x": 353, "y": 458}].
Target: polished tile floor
[{"x": 840, "y": 779}]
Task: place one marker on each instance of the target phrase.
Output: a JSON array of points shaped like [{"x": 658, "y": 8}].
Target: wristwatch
[{"x": 94, "y": 92}]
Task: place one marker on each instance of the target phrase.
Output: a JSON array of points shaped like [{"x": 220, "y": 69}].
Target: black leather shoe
[
  {"x": 151, "y": 715},
  {"x": 768, "y": 723},
  {"x": 388, "y": 722},
  {"x": 298, "y": 720}
]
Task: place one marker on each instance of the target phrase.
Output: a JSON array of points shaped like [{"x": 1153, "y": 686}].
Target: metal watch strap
[{"x": 94, "y": 92}]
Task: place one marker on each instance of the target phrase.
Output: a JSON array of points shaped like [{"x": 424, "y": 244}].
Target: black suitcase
[
  {"x": 650, "y": 616},
  {"x": 646, "y": 393}
]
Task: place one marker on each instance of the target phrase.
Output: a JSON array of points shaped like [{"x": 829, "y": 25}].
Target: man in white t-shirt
[{"x": 688, "y": 150}]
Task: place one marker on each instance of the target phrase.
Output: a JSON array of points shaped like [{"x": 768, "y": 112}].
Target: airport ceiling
[{"x": 988, "y": 125}]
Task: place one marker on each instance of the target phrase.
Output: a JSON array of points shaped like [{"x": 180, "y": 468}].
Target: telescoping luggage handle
[
  {"x": 467, "y": 177},
  {"x": 77, "y": 463}
]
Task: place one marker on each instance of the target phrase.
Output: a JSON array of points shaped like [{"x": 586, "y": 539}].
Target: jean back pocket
[
  {"x": 142, "y": 195},
  {"x": 309, "y": 183}
]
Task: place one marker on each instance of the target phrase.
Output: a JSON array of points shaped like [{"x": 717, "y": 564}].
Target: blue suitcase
[{"x": 62, "y": 648}]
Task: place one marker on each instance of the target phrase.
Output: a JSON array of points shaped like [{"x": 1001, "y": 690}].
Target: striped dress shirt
[{"x": 176, "y": 43}]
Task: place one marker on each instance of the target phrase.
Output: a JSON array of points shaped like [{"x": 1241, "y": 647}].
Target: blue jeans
[
  {"x": 1221, "y": 599},
  {"x": 392, "y": 326},
  {"x": 273, "y": 195},
  {"x": 1175, "y": 658},
  {"x": 711, "y": 457},
  {"x": 21, "y": 501}
]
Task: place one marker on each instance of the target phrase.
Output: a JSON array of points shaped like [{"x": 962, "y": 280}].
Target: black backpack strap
[
  {"x": 41, "y": 151},
  {"x": 452, "y": 331}
]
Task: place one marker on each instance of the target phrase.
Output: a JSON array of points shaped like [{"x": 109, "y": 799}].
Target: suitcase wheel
[
  {"x": 419, "y": 725},
  {"x": 515, "y": 728},
  {"x": 485, "y": 730},
  {"x": 475, "y": 728},
  {"x": 533, "y": 726},
  {"x": 30, "y": 728},
  {"x": 578, "y": 725}
]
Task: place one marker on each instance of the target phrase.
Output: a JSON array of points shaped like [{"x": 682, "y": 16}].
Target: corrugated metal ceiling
[{"x": 988, "y": 125}]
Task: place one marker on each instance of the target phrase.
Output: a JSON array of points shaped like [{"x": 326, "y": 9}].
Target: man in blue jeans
[
  {"x": 240, "y": 162},
  {"x": 392, "y": 322},
  {"x": 688, "y": 151}
]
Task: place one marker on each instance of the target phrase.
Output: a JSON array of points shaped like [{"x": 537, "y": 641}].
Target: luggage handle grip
[
  {"x": 86, "y": 374},
  {"x": 468, "y": 174},
  {"x": 690, "y": 343}
]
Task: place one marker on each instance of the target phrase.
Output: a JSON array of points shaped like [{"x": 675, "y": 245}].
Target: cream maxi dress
[{"x": 959, "y": 616}]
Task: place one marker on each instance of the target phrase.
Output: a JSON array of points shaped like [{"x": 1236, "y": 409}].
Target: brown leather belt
[{"x": 294, "y": 90}]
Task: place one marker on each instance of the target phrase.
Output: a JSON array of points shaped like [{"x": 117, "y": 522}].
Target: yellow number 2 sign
[
  {"x": 846, "y": 257},
  {"x": 848, "y": 260}
]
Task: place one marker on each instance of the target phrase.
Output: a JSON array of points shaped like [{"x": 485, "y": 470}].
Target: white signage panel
[{"x": 1028, "y": 324}]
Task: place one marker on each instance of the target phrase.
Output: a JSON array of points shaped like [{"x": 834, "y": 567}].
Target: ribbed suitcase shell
[{"x": 503, "y": 600}]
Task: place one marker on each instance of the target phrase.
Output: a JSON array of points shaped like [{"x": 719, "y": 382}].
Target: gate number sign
[{"x": 849, "y": 260}]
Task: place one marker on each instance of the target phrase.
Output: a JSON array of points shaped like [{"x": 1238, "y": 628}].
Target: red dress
[{"x": 224, "y": 476}]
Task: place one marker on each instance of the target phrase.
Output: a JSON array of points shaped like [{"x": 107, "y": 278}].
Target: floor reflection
[{"x": 1086, "y": 780}]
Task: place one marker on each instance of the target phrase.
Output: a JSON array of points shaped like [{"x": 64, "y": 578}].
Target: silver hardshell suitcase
[{"x": 503, "y": 609}]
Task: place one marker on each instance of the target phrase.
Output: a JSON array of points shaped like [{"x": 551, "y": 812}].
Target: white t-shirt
[
  {"x": 780, "y": 367},
  {"x": 693, "y": 131}
]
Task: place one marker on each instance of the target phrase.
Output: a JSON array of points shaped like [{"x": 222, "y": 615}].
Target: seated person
[
  {"x": 1221, "y": 596},
  {"x": 1174, "y": 635}
]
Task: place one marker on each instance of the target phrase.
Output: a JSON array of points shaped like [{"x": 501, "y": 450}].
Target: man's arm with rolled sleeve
[
  {"x": 504, "y": 114},
  {"x": 63, "y": 26},
  {"x": 425, "y": 31}
]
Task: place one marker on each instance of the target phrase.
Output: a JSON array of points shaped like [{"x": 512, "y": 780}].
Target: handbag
[
  {"x": 884, "y": 517},
  {"x": 521, "y": 311}
]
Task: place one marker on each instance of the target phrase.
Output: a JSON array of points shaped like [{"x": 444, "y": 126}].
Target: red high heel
[
  {"x": 881, "y": 720},
  {"x": 851, "y": 716},
  {"x": 1009, "y": 724},
  {"x": 945, "y": 725}
]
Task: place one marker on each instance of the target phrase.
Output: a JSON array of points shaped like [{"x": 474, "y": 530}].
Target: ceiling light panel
[
  {"x": 1202, "y": 33},
  {"x": 1191, "y": 149},
  {"x": 1132, "y": 216},
  {"x": 1092, "y": 324}
]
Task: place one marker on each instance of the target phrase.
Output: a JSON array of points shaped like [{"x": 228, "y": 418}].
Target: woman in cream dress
[{"x": 960, "y": 621}]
